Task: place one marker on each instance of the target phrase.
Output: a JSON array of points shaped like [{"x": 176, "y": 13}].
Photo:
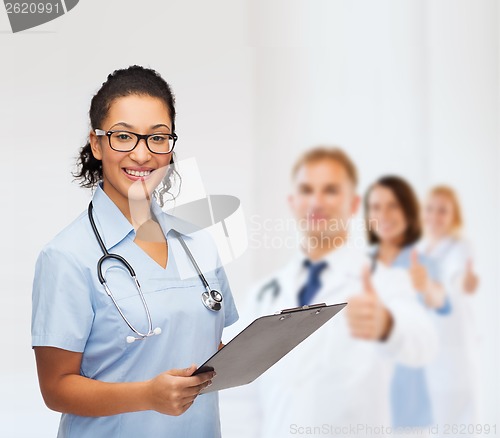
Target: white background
[{"x": 406, "y": 87}]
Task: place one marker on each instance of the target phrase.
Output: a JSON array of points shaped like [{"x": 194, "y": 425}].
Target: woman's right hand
[
  {"x": 65, "y": 390},
  {"x": 433, "y": 293},
  {"x": 174, "y": 391},
  {"x": 418, "y": 273}
]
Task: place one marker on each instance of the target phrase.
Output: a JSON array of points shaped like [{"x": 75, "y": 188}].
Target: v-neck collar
[{"x": 114, "y": 226}]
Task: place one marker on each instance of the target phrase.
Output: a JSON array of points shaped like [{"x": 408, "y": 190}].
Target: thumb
[
  {"x": 366, "y": 277},
  {"x": 183, "y": 372}
]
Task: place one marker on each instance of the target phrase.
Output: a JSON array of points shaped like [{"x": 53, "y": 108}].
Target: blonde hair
[
  {"x": 321, "y": 153},
  {"x": 451, "y": 195}
]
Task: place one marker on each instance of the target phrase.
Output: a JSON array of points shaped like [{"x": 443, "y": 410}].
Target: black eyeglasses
[{"x": 126, "y": 141}]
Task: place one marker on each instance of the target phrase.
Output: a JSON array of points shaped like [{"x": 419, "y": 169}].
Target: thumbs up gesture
[
  {"x": 367, "y": 316},
  {"x": 433, "y": 293},
  {"x": 418, "y": 273},
  {"x": 470, "y": 280}
]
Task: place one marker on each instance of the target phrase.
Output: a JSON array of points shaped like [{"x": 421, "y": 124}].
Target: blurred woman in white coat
[{"x": 452, "y": 377}]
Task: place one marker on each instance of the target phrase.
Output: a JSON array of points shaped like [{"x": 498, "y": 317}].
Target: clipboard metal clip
[{"x": 307, "y": 306}]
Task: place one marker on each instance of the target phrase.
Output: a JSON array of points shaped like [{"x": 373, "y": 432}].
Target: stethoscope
[
  {"x": 211, "y": 299},
  {"x": 272, "y": 287}
]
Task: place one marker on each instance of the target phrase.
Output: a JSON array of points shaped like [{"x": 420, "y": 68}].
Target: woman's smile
[{"x": 137, "y": 173}]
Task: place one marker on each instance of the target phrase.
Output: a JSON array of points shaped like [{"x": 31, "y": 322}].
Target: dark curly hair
[
  {"x": 407, "y": 200},
  {"x": 134, "y": 80}
]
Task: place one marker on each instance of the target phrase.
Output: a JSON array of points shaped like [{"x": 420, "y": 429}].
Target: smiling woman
[{"x": 84, "y": 326}]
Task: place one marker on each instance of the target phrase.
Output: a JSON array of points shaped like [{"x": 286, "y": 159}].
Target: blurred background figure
[
  {"x": 453, "y": 376},
  {"x": 393, "y": 223},
  {"x": 336, "y": 382}
]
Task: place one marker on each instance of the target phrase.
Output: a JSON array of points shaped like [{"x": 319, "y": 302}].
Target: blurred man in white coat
[{"x": 337, "y": 381}]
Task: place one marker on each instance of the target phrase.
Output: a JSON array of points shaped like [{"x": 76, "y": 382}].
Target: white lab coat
[
  {"x": 332, "y": 380},
  {"x": 453, "y": 375}
]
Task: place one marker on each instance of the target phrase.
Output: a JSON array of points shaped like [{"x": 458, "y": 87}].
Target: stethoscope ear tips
[{"x": 156, "y": 331}]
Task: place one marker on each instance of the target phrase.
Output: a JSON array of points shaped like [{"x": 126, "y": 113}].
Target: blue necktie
[{"x": 313, "y": 283}]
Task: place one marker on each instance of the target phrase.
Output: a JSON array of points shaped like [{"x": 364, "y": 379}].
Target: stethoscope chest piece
[{"x": 212, "y": 300}]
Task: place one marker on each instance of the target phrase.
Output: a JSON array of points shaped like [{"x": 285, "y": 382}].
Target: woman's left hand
[{"x": 470, "y": 280}]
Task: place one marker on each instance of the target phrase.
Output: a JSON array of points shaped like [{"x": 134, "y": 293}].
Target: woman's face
[
  {"x": 438, "y": 215},
  {"x": 385, "y": 216},
  {"x": 142, "y": 115}
]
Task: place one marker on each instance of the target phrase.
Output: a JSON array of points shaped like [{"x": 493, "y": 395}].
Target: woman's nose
[{"x": 141, "y": 153}]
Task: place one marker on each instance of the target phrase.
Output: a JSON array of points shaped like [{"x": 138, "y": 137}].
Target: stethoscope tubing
[{"x": 211, "y": 299}]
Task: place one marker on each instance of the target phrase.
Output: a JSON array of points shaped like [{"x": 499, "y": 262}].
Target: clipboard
[{"x": 263, "y": 343}]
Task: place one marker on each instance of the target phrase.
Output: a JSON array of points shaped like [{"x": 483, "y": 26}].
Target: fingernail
[{"x": 214, "y": 374}]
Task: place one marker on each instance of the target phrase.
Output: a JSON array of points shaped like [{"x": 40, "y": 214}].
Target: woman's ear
[{"x": 95, "y": 146}]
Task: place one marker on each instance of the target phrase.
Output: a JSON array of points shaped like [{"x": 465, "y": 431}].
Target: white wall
[{"x": 405, "y": 86}]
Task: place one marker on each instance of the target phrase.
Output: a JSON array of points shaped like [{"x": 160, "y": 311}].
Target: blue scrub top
[{"x": 71, "y": 311}]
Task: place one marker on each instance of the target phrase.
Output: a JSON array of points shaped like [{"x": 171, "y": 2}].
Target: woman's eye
[
  {"x": 159, "y": 138},
  {"x": 123, "y": 137}
]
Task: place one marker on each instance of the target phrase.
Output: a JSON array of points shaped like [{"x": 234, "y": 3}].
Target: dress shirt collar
[{"x": 332, "y": 258}]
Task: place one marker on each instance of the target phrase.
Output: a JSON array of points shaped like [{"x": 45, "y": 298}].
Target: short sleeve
[
  {"x": 230, "y": 311},
  {"x": 62, "y": 311}
]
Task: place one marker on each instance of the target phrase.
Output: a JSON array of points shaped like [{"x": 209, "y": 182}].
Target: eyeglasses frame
[{"x": 102, "y": 133}]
